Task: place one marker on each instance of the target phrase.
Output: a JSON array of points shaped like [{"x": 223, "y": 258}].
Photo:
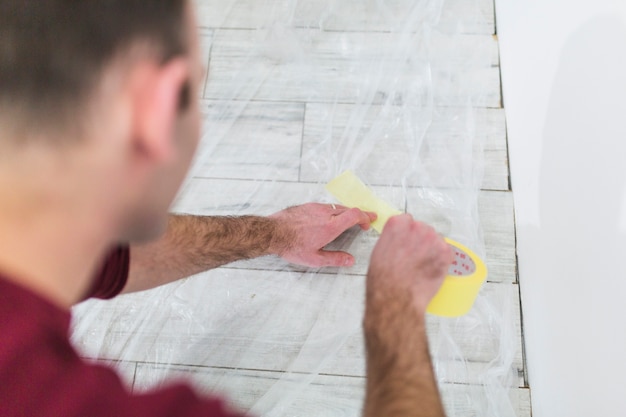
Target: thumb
[{"x": 335, "y": 258}]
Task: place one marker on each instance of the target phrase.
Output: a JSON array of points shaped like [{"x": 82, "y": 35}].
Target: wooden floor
[{"x": 407, "y": 94}]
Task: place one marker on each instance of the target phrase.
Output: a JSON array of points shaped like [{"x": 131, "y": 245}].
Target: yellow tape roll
[{"x": 465, "y": 276}]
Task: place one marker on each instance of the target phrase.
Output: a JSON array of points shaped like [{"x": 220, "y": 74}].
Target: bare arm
[
  {"x": 406, "y": 270},
  {"x": 192, "y": 244}
]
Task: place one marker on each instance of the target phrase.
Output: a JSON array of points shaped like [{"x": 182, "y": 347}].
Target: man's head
[{"x": 101, "y": 96}]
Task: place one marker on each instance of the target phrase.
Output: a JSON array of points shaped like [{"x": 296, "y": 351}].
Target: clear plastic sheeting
[{"x": 405, "y": 93}]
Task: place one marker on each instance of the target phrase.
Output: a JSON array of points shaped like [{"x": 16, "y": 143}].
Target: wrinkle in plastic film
[{"x": 299, "y": 91}]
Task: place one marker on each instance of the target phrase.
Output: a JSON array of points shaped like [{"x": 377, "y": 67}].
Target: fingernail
[{"x": 348, "y": 262}]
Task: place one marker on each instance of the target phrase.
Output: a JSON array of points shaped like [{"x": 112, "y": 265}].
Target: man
[{"x": 98, "y": 124}]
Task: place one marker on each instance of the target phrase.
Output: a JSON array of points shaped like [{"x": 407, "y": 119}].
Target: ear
[{"x": 157, "y": 107}]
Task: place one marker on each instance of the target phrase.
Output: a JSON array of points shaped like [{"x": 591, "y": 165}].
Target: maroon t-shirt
[{"x": 41, "y": 374}]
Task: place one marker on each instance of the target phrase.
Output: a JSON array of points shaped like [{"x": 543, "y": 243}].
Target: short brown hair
[{"x": 53, "y": 52}]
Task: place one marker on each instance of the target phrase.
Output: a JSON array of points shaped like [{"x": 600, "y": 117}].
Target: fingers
[
  {"x": 372, "y": 216},
  {"x": 407, "y": 234},
  {"x": 399, "y": 221},
  {"x": 340, "y": 209},
  {"x": 353, "y": 217}
]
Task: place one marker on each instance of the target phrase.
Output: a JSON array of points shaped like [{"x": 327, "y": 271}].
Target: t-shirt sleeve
[{"x": 112, "y": 276}]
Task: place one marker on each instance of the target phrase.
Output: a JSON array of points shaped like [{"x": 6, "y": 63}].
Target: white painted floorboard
[
  {"x": 464, "y": 16},
  {"x": 324, "y": 395}
]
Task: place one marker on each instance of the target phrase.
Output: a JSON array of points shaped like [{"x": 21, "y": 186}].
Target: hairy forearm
[
  {"x": 193, "y": 244},
  {"x": 401, "y": 380}
]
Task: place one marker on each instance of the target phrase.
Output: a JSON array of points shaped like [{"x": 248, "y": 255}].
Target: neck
[{"x": 47, "y": 245}]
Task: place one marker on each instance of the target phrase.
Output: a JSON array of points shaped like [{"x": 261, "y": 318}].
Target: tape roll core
[
  {"x": 462, "y": 284},
  {"x": 463, "y": 264}
]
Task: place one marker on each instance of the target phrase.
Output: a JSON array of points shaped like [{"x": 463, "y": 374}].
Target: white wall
[{"x": 564, "y": 80}]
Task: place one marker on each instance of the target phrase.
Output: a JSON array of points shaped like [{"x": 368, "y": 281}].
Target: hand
[
  {"x": 303, "y": 232},
  {"x": 410, "y": 257}
]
